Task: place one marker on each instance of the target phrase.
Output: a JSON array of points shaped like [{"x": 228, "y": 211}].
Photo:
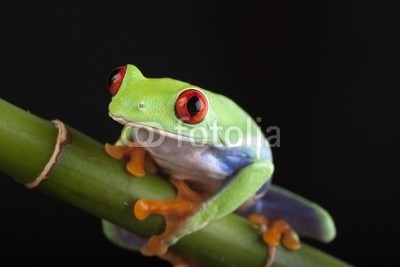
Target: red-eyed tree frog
[{"x": 216, "y": 156}]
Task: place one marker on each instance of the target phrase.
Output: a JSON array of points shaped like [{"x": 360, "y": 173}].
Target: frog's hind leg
[{"x": 283, "y": 214}]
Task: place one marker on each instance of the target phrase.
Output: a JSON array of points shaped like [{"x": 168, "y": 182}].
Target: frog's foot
[
  {"x": 139, "y": 161},
  {"x": 175, "y": 212},
  {"x": 275, "y": 232}
]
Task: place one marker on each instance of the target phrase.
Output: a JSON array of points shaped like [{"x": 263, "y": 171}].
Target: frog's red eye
[
  {"x": 115, "y": 79},
  {"x": 191, "y": 106}
]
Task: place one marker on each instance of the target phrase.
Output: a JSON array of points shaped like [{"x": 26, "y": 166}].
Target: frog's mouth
[{"x": 156, "y": 129}]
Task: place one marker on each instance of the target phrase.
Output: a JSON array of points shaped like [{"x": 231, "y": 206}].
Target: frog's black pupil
[
  {"x": 193, "y": 105},
  {"x": 111, "y": 78}
]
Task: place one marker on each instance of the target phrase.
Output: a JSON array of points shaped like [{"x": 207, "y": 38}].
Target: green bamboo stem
[{"x": 84, "y": 176}]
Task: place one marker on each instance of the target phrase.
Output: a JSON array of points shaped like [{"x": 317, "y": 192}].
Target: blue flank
[{"x": 232, "y": 159}]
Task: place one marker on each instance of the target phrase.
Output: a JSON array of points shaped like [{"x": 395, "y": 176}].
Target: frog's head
[{"x": 177, "y": 108}]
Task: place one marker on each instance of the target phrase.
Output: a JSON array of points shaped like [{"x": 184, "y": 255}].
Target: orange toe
[
  {"x": 116, "y": 152},
  {"x": 135, "y": 166},
  {"x": 175, "y": 207},
  {"x": 291, "y": 240},
  {"x": 138, "y": 159}
]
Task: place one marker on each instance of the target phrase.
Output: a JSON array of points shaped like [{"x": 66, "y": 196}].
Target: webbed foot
[
  {"x": 274, "y": 233},
  {"x": 175, "y": 212},
  {"x": 139, "y": 162}
]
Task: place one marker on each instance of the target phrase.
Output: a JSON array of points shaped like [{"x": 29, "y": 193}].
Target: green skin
[{"x": 150, "y": 103}]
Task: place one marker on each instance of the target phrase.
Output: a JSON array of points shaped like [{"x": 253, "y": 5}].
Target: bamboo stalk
[{"x": 86, "y": 177}]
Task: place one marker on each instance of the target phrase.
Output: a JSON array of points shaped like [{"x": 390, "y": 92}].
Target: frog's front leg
[
  {"x": 175, "y": 211},
  {"x": 191, "y": 211}
]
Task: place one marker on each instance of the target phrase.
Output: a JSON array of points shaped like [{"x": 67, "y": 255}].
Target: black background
[{"x": 320, "y": 71}]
